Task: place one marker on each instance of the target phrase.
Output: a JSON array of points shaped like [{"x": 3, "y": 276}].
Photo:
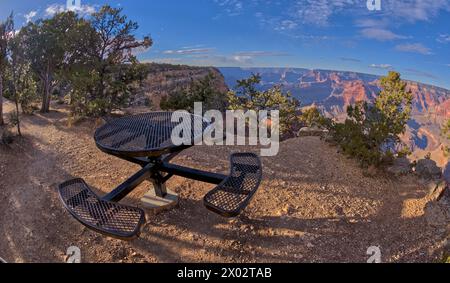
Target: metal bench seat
[
  {"x": 111, "y": 219},
  {"x": 234, "y": 194}
]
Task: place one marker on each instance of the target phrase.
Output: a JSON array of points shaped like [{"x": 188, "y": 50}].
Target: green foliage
[
  {"x": 446, "y": 150},
  {"x": 6, "y": 30},
  {"x": 177, "y": 101},
  {"x": 248, "y": 97},
  {"x": 313, "y": 117},
  {"x": 46, "y": 47},
  {"x": 14, "y": 119},
  {"x": 203, "y": 90},
  {"x": 27, "y": 96},
  {"x": 372, "y": 132},
  {"x": 105, "y": 76},
  {"x": 23, "y": 87},
  {"x": 90, "y": 61},
  {"x": 446, "y": 130},
  {"x": 403, "y": 152},
  {"x": 394, "y": 104}
]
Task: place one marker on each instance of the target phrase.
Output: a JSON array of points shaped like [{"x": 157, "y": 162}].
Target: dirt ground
[{"x": 314, "y": 205}]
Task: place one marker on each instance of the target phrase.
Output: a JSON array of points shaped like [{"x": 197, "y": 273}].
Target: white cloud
[
  {"x": 208, "y": 56},
  {"x": 261, "y": 53},
  {"x": 193, "y": 46},
  {"x": 292, "y": 16},
  {"x": 414, "y": 48},
  {"x": 286, "y": 25},
  {"x": 319, "y": 12},
  {"x": 381, "y": 66},
  {"x": 416, "y": 10},
  {"x": 381, "y": 34},
  {"x": 295, "y": 12},
  {"x": 55, "y": 9},
  {"x": 30, "y": 16},
  {"x": 184, "y": 51},
  {"x": 242, "y": 59},
  {"x": 231, "y": 7},
  {"x": 443, "y": 38},
  {"x": 59, "y": 8}
]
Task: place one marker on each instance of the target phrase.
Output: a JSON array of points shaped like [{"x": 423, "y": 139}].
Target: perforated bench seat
[
  {"x": 234, "y": 194},
  {"x": 111, "y": 219}
]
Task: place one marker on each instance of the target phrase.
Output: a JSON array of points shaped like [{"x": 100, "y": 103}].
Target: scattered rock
[
  {"x": 312, "y": 132},
  {"x": 428, "y": 169},
  {"x": 400, "y": 167}
]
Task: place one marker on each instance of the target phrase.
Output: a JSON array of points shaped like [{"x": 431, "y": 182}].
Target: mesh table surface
[{"x": 147, "y": 135}]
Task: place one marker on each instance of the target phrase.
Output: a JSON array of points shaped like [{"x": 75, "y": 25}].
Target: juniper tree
[
  {"x": 115, "y": 63},
  {"x": 203, "y": 90},
  {"x": 45, "y": 47},
  {"x": 372, "y": 131},
  {"x": 248, "y": 97},
  {"x": 22, "y": 84},
  {"x": 6, "y": 30}
]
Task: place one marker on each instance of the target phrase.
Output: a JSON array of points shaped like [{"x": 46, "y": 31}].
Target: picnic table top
[{"x": 147, "y": 135}]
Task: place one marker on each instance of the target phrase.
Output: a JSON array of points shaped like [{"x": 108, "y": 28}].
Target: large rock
[
  {"x": 401, "y": 166},
  {"x": 437, "y": 190},
  {"x": 428, "y": 169}
]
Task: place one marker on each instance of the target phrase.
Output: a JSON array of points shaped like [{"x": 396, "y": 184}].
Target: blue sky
[{"x": 410, "y": 36}]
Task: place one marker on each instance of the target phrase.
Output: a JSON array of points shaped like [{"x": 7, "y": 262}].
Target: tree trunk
[
  {"x": 18, "y": 117},
  {"x": 1, "y": 100},
  {"x": 101, "y": 88},
  {"x": 45, "y": 108},
  {"x": 16, "y": 99},
  {"x": 46, "y": 96}
]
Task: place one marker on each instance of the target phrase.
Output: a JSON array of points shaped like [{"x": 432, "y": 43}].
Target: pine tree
[{"x": 372, "y": 131}]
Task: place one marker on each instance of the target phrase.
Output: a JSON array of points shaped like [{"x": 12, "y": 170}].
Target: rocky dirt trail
[{"x": 314, "y": 205}]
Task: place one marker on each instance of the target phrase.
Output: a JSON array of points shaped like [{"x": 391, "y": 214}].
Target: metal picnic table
[{"x": 146, "y": 140}]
